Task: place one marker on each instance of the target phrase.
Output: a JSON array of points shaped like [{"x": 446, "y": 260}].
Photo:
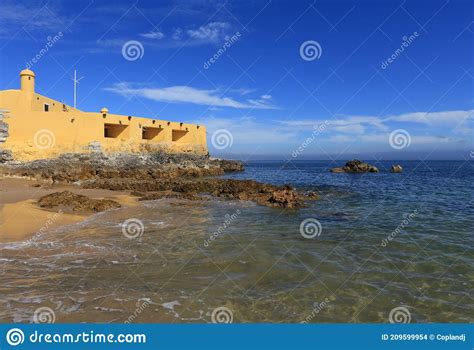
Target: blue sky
[{"x": 288, "y": 79}]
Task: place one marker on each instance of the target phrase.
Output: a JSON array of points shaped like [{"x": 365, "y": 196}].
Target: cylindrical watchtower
[{"x": 27, "y": 80}]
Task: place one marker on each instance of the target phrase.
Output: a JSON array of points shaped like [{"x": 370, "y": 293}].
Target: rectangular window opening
[
  {"x": 46, "y": 107},
  {"x": 113, "y": 130},
  {"x": 177, "y": 135},
  {"x": 149, "y": 133}
]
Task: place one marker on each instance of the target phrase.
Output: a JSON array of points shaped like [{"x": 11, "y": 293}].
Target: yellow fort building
[{"x": 33, "y": 126}]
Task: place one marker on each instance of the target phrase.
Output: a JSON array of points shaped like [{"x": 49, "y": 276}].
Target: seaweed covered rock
[{"x": 75, "y": 202}]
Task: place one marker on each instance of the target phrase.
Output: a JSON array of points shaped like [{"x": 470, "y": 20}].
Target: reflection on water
[{"x": 257, "y": 264}]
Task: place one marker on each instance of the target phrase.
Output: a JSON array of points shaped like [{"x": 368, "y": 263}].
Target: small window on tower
[{"x": 46, "y": 107}]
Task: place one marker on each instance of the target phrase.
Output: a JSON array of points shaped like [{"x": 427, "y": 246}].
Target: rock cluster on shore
[
  {"x": 152, "y": 176},
  {"x": 75, "y": 167}
]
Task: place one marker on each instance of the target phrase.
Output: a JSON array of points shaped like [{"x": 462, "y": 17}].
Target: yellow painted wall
[{"x": 36, "y": 134}]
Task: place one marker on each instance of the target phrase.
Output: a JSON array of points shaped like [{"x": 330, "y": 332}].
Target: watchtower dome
[{"x": 27, "y": 81}]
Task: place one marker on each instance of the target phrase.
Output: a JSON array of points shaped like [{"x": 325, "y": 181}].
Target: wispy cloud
[
  {"x": 209, "y": 33},
  {"x": 154, "y": 34},
  {"x": 456, "y": 120},
  {"x": 188, "y": 94},
  {"x": 249, "y": 131},
  {"x": 348, "y": 124},
  {"x": 436, "y": 118},
  {"x": 14, "y": 16}
]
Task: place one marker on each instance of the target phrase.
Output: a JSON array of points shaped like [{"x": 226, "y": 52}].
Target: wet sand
[{"x": 21, "y": 217}]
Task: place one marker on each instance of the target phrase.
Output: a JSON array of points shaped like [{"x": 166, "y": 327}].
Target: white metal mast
[{"x": 76, "y": 81}]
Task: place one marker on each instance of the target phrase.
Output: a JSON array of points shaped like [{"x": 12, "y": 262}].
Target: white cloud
[
  {"x": 350, "y": 125},
  {"x": 153, "y": 35},
  {"x": 14, "y": 16},
  {"x": 436, "y": 118},
  {"x": 211, "y": 32},
  {"x": 248, "y": 131},
  {"x": 187, "y": 94}
]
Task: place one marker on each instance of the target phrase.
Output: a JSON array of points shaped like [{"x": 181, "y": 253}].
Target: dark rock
[
  {"x": 5, "y": 156},
  {"x": 286, "y": 198},
  {"x": 76, "y": 202},
  {"x": 249, "y": 190},
  {"x": 396, "y": 168},
  {"x": 356, "y": 166}
]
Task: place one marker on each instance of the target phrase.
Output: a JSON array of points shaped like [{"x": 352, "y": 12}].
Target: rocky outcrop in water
[
  {"x": 263, "y": 194},
  {"x": 356, "y": 166},
  {"x": 396, "y": 169},
  {"x": 69, "y": 201}
]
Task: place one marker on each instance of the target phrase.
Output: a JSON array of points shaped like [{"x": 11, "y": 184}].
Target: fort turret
[{"x": 27, "y": 79}]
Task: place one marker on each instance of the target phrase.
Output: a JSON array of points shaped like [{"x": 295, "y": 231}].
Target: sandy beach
[{"x": 21, "y": 217}]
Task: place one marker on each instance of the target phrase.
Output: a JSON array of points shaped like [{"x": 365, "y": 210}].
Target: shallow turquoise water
[{"x": 258, "y": 265}]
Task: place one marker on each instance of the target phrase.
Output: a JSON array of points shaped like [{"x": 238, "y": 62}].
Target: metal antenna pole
[{"x": 76, "y": 81}]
